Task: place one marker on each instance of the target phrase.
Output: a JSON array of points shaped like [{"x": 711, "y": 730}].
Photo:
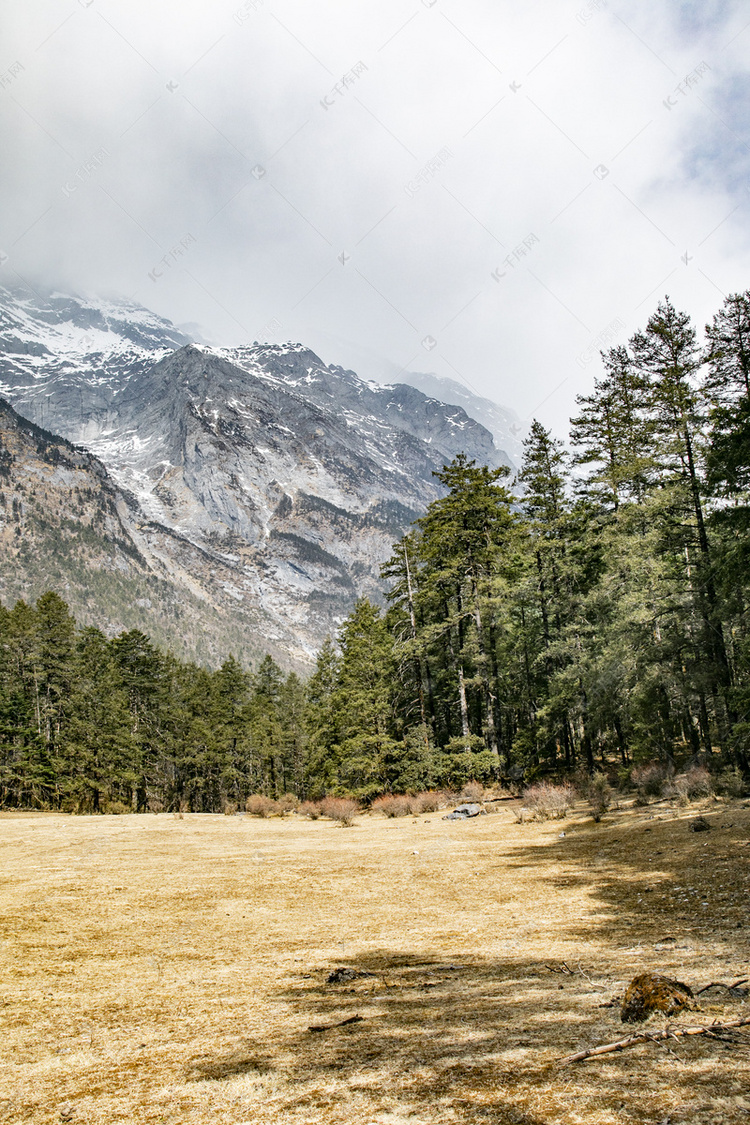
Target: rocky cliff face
[
  {"x": 65, "y": 360},
  {"x": 65, "y": 525},
  {"x": 263, "y": 482},
  {"x": 506, "y": 427}
]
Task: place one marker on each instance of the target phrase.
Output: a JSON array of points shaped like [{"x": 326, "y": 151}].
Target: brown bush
[
  {"x": 230, "y": 809},
  {"x": 598, "y": 792},
  {"x": 429, "y": 801},
  {"x": 689, "y": 786},
  {"x": 342, "y": 809},
  {"x": 393, "y": 805},
  {"x": 472, "y": 791},
  {"x": 545, "y": 801},
  {"x": 649, "y": 782},
  {"x": 730, "y": 783},
  {"x": 288, "y": 803},
  {"x": 310, "y": 809},
  {"x": 258, "y": 805}
]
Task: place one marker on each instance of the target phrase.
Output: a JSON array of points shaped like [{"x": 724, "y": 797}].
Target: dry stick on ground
[
  {"x": 653, "y": 1037},
  {"x": 583, "y": 973},
  {"x": 566, "y": 970},
  {"x": 720, "y": 984},
  {"x": 330, "y": 1026}
]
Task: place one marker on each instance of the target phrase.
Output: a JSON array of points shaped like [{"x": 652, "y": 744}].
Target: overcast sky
[{"x": 486, "y": 189}]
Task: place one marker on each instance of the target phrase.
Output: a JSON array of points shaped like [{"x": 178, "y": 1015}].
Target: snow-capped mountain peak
[{"x": 259, "y": 476}]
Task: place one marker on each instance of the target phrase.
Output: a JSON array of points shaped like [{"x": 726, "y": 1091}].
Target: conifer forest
[{"x": 590, "y": 614}]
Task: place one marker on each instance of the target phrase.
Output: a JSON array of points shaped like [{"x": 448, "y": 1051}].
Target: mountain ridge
[{"x": 261, "y": 480}]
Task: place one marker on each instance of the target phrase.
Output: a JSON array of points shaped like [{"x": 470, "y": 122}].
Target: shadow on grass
[
  {"x": 658, "y": 882},
  {"x": 483, "y": 1037},
  {"x": 434, "y": 1034},
  {"x": 232, "y": 1065},
  {"x": 480, "y": 1038}
]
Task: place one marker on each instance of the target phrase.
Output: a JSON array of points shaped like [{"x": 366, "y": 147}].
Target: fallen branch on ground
[
  {"x": 566, "y": 970},
  {"x": 720, "y": 984},
  {"x": 653, "y": 1037},
  {"x": 342, "y": 1023}
]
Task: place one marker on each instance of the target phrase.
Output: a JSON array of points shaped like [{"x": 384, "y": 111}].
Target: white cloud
[{"x": 612, "y": 137}]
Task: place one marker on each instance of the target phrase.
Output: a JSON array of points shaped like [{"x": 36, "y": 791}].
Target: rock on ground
[{"x": 650, "y": 993}]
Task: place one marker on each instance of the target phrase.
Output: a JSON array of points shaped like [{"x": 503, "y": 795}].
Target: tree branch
[{"x": 653, "y": 1037}]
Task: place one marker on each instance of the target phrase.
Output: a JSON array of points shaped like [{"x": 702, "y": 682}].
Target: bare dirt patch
[{"x": 157, "y": 969}]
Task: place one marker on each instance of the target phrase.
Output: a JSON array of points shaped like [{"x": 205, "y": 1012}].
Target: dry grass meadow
[{"x": 157, "y": 969}]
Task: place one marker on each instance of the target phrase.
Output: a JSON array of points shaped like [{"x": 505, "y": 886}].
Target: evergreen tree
[
  {"x": 727, "y": 386},
  {"x": 321, "y": 759},
  {"x": 361, "y": 705},
  {"x": 266, "y": 728},
  {"x": 96, "y": 752},
  {"x": 55, "y": 630},
  {"x": 728, "y": 480},
  {"x": 613, "y": 433},
  {"x": 462, "y": 538},
  {"x": 668, "y": 353},
  {"x": 26, "y": 777},
  {"x": 142, "y": 675},
  {"x": 544, "y": 478}
]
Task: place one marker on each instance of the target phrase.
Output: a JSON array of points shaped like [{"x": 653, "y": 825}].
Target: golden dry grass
[{"x": 157, "y": 969}]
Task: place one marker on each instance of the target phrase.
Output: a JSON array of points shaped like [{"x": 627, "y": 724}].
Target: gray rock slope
[
  {"x": 259, "y": 479},
  {"x": 503, "y": 423}
]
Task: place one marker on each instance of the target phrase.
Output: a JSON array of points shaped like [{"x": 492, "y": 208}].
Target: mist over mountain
[{"x": 503, "y": 423}]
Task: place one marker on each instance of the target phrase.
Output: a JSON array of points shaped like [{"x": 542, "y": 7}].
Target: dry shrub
[
  {"x": 115, "y": 808},
  {"x": 342, "y": 809},
  {"x": 230, "y": 809},
  {"x": 429, "y": 801},
  {"x": 689, "y": 786},
  {"x": 310, "y": 809},
  {"x": 545, "y": 801},
  {"x": 699, "y": 782},
  {"x": 258, "y": 805},
  {"x": 448, "y": 798},
  {"x": 287, "y": 804},
  {"x": 400, "y": 804},
  {"x": 599, "y": 795},
  {"x": 472, "y": 791},
  {"x": 393, "y": 805},
  {"x": 730, "y": 783},
  {"x": 649, "y": 782}
]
